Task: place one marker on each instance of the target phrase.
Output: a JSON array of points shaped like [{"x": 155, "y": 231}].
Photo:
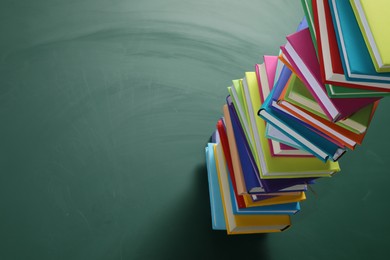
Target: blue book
[
  {"x": 355, "y": 57},
  {"x": 285, "y": 75},
  {"x": 217, "y": 215},
  {"x": 277, "y": 209},
  {"x": 253, "y": 182}
]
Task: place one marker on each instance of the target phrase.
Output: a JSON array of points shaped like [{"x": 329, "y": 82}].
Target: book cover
[
  {"x": 298, "y": 95},
  {"x": 261, "y": 200},
  {"x": 282, "y": 144},
  {"x": 236, "y": 95},
  {"x": 373, "y": 18},
  {"x": 276, "y": 167},
  {"x": 254, "y": 183},
  {"x": 276, "y": 209},
  {"x": 340, "y": 134},
  {"x": 309, "y": 140},
  {"x": 333, "y": 90},
  {"x": 307, "y": 9},
  {"x": 217, "y": 215},
  {"x": 265, "y": 77},
  {"x": 302, "y": 56},
  {"x": 227, "y": 152},
  {"x": 329, "y": 56},
  {"x": 354, "y": 54},
  {"x": 245, "y": 224},
  {"x": 236, "y": 162}
]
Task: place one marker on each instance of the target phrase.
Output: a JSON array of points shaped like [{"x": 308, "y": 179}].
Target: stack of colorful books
[{"x": 289, "y": 121}]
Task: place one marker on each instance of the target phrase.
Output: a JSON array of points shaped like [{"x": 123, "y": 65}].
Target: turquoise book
[{"x": 217, "y": 217}]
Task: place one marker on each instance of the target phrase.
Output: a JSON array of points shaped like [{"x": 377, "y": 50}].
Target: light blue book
[
  {"x": 278, "y": 209},
  {"x": 217, "y": 217},
  {"x": 355, "y": 57}
]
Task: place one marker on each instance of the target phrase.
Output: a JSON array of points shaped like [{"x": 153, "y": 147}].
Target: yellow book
[
  {"x": 288, "y": 197},
  {"x": 373, "y": 19},
  {"x": 273, "y": 166},
  {"x": 244, "y": 224}
]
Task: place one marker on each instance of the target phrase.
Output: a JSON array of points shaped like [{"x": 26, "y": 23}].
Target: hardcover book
[
  {"x": 373, "y": 18},
  {"x": 301, "y": 54},
  {"x": 245, "y": 224},
  {"x": 354, "y": 54},
  {"x": 217, "y": 215},
  {"x": 330, "y": 61}
]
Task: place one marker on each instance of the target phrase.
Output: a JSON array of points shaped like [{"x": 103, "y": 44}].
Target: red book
[{"x": 226, "y": 151}]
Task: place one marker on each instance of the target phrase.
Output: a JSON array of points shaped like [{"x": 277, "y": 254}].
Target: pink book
[
  {"x": 300, "y": 51},
  {"x": 270, "y": 62}
]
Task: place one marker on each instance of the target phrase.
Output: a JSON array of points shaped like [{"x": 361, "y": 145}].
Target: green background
[{"x": 105, "y": 109}]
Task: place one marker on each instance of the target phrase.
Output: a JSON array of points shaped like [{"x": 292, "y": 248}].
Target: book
[
  {"x": 253, "y": 182},
  {"x": 297, "y": 94},
  {"x": 245, "y": 224},
  {"x": 270, "y": 65},
  {"x": 236, "y": 162},
  {"x": 310, "y": 140},
  {"x": 333, "y": 91},
  {"x": 354, "y": 54},
  {"x": 237, "y": 97},
  {"x": 217, "y": 215},
  {"x": 330, "y": 61},
  {"x": 228, "y": 158},
  {"x": 307, "y": 9},
  {"x": 255, "y": 200},
  {"x": 337, "y": 131},
  {"x": 301, "y": 54},
  {"x": 283, "y": 208},
  {"x": 280, "y": 144},
  {"x": 276, "y": 209},
  {"x": 347, "y": 138},
  {"x": 279, "y": 167},
  {"x": 373, "y": 18}
]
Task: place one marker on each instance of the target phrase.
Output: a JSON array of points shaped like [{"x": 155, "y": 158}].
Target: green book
[
  {"x": 297, "y": 94},
  {"x": 308, "y": 10},
  {"x": 237, "y": 95},
  {"x": 344, "y": 92}
]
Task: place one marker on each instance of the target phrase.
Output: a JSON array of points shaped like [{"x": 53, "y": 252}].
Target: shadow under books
[{"x": 188, "y": 234}]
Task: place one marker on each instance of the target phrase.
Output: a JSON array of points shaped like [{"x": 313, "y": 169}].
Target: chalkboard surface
[{"x": 105, "y": 109}]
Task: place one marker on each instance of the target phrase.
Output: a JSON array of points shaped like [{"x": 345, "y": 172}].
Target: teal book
[
  {"x": 217, "y": 217},
  {"x": 354, "y": 54}
]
